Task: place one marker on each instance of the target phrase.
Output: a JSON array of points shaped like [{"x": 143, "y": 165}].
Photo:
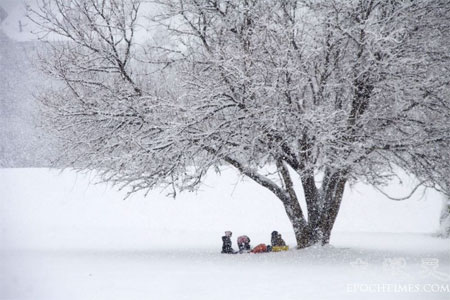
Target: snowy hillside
[{"x": 65, "y": 238}]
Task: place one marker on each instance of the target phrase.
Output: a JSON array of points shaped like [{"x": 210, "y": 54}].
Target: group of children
[{"x": 243, "y": 241}]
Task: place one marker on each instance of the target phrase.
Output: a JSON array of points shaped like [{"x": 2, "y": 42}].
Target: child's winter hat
[{"x": 228, "y": 233}]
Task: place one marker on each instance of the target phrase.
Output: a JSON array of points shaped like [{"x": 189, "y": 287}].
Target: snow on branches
[{"x": 158, "y": 92}]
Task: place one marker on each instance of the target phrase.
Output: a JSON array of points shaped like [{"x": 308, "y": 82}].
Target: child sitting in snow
[
  {"x": 243, "y": 243},
  {"x": 278, "y": 243},
  {"x": 277, "y": 240},
  {"x": 227, "y": 247}
]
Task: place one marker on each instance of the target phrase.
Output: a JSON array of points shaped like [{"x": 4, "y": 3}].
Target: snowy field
[{"x": 63, "y": 237}]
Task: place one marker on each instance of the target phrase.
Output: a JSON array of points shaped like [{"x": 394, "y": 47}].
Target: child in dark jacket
[
  {"x": 277, "y": 240},
  {"x": 227, "y": 247}
]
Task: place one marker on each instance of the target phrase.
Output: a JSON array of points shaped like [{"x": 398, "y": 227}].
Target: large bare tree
[{"x": 317, "y": 92}]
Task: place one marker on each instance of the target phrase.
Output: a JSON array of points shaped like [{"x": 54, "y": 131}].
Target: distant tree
[
  {"x": 3, "y": 14},
  {"x": 444, "y": 218},
  {"x": 442, "y": 184},
  {"x": 434, "y": 173},
  {"x": 323, "y": 92}
]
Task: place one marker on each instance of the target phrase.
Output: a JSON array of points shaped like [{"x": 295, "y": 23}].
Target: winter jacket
[
  {"x": 226, "y": 247},
  {"x": 261, "y": 248},
  {"x": 276, "y": 240},
  {"x": 243, "y": 243}
]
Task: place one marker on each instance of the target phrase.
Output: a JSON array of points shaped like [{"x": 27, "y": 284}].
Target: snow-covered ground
[{"x": 62, "y": 237}]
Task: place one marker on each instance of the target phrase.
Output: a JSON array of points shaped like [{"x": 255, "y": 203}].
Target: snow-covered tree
[
  {"x": 434, "y": 173},
  {"x": 319, "y": 92}
]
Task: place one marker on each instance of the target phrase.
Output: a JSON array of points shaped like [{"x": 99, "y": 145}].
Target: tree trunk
[
  {"x": 320, "y": 220},
  {"x": 299, "y": 224},
  {"x": 313, "y": 230},
  {"x": 322, "y": 206},
  {"x": 332, "y": 204}
]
